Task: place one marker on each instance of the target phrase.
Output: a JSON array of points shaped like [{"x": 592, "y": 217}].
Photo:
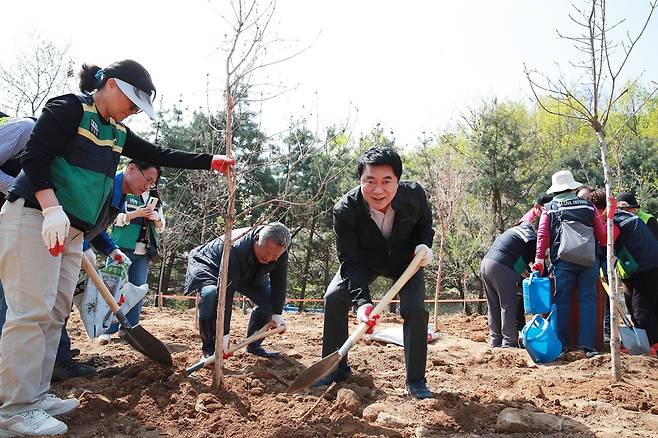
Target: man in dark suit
[
  {"x": 379, "y": 227},
  {"x": 258, "y": 269}
]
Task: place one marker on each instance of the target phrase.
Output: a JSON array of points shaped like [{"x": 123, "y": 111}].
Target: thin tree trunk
[
  {"x": 167, "y": 276},
  {"x": 480, "y": 296},
  {"x": 327, "y": 264},
  {"x": 439, "y": 276},
  {"x": 463, "y": 292},
  {"x": 307, "y": 264},
  {"x": 223, "y": 270},
  {"x": 160, "y": 278},
  {"x": 614, "y": 318},
  {"x": 497, "y": 206}
]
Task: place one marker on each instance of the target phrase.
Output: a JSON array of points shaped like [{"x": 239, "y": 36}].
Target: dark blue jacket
[
  {"x": 243, "y": 267},
  {"x": 515, "y": 248},
  {"x": 635, "y": 238}
]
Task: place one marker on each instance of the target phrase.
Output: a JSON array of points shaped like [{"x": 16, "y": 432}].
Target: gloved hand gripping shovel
[
  {"x": 137, "y": 336},
  {"x": 633, "y": 338},
  {"x": 264, "y": 332},
  {"x": 325, "y": 366}
]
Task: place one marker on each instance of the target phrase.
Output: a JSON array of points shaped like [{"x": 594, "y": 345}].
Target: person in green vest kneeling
[{"x": 136, "y": 231}]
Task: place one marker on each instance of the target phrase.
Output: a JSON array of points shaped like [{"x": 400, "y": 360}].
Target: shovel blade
[
  {"x": 629, "y": 340},
  {"x": 642, "y": 340},
  {"x": 635, "y": 340},
  {"x": 315, "y": 372},
  {"x": 147, "y": 344}
]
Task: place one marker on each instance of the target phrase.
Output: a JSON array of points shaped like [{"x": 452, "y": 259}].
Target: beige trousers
[{"x": 39, "y": 291}]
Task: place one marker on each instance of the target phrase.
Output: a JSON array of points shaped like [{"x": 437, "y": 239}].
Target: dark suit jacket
[{"x": 363, "y": 251}]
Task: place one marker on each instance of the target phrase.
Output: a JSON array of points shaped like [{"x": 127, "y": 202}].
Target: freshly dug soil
[{"x": 134, "y": 397}]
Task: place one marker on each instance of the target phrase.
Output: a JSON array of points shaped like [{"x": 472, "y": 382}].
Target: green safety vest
[
  {"x": 83, "y": 179},
  {"x": 126, "y": 236}
]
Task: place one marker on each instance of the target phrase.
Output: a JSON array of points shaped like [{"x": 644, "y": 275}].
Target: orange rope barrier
[{"x": 316, "y": 300}]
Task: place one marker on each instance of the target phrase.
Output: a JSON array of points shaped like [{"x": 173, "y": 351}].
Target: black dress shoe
[
  {"x": 260, "y": 351},
  {"x": 341, "y": 374},
  {"x": 417, "y": 388},
  {"x": 69, "y": 369}
]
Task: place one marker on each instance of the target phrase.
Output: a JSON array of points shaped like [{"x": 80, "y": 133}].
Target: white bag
[
  {"x": 393, "y": 335},
  {"x": 94, "y": 311},
  {"x": 131, "y": 295}
]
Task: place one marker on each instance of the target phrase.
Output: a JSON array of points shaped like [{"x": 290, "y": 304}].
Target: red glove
[
  {"x": 363, "y": 315},
  {"x": 613, "y": 207},
  {"x": 538, "y": 267},
  {"x": 119, "y": 257},
  {"x": 222, "y": 163},
  {"x": 57, "y": 249}
]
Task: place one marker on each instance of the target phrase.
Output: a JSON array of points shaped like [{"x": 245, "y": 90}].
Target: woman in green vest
[
  {"x": 64, "y": 189},
  {"x": 136, "y": 231}
]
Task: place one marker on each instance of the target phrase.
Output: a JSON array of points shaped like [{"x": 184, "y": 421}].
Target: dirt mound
[{"x": 478, "y": 390}]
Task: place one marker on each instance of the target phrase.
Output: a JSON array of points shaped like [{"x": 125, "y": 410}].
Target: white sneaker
[
  {"x": 104, "y": 339},
  {"x": 53, "y": 405},
  {"x": 34, "y": 422},
  {"x": 121, "y": 333}
]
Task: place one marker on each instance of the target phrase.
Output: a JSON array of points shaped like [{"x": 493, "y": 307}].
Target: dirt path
[{"x": 133, "y": 397}]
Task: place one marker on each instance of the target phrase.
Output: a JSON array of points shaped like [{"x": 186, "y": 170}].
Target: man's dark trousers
[
  {"x": 337, "y": 304},
  {"x": 260, "y": 294}
]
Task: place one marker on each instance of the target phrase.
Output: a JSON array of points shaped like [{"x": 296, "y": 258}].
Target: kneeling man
[{"x": 258, "y": 269}]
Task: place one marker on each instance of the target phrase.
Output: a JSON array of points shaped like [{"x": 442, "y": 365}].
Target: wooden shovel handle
[
  {"x": 414, "y": 265},
  {"x": 618, "y": 307},
  {"x": 255, "y": 337},
  {"x": 264, "y": 332},
  {"x": 100, "y": 284}
]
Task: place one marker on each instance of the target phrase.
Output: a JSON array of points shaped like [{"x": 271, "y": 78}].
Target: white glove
[
  {"x": 363, "y": 315},
  {"x": 121, "y": 220},
  {"x": 428, "y": 254},
  {"x": 91, "y": 255},
  {"x": 279, "y": 322},
  {"x": 226, "y": 345},
  {"x": 54, "y": 229},
  {"x": 118, "y": 256},
  {"x": 363, "y": 312}
]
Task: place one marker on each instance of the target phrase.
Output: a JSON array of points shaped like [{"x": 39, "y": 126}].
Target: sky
[{"x": 411, "y": 66}]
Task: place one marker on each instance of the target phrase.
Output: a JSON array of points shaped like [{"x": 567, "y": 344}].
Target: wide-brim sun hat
[
  {"x": 137, "y": 96},
  {"x": 563, "y": 180}
]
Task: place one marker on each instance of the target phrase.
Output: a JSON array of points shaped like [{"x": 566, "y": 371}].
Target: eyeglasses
[
  {"x": 134, "y": 108},
  {"x": 148, "y": 179}
]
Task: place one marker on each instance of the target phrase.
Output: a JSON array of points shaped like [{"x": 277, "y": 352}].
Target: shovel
[
  {"x": 260, "y": 334},
  {"x": 137, "y": 336},
  {"x": 326, "y": 365},
  {"x": 633, "y": 338}
]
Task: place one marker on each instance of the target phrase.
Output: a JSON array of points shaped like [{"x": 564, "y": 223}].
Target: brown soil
[{"x": 134, "y": 397}]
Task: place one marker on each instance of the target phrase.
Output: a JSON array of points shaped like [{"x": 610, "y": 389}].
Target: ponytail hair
[{"x": 89, "y": 78}]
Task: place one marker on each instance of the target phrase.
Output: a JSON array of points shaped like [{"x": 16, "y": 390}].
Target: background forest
[{"x": 481, "y": 174}]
